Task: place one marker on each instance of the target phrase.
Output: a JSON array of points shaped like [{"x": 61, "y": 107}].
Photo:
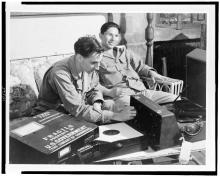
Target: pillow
[
  {"x": 22, "y": 100},
  {"x": 24, "y": 72},
  {"x": 23, "y": 89},
  {"x": 39, "y": 71},
  {"x": 41, "y": 65}
]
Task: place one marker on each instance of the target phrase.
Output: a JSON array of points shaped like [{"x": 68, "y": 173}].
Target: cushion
[
  {"x": 23, "y": 89},
  {"x": 41, "y": 65},
  {"x": 23, "y": 70},
  {"x": 25, "y": 79},
  {"x": 22, "y": 100},
  {"x": 39, "y": 71}
]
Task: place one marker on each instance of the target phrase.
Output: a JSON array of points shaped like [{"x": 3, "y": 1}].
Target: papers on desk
[
  {"x": 126, "y": 132},
  {"x": 148, "y": 154}
]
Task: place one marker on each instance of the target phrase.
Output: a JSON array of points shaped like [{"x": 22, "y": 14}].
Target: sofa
[
  {"x": 25, "y": 79},
  {"x": 27, "y": 74}
]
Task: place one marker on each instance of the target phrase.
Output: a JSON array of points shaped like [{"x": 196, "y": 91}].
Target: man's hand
[
  {"x": 153, "y": 77},
  {"x": 127, "y": 113},
  {"x": 97, "y": 106},
  {"x": 117, "y": 92}
]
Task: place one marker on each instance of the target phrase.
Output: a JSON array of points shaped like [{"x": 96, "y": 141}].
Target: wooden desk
[
  {"x": 134, "y": 156},
  {"x": 197, "y": 158},
  {"x": 165, "y": 156}
]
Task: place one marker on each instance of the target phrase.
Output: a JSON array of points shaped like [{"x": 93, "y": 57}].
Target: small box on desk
[
  {"x": 157, "y": 123},
  {"x": 50, "y": 137}
]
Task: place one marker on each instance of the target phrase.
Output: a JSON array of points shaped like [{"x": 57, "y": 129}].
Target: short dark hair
[
  {"x": 87, "y": 45},
  {"x": 108, "y": 25}
]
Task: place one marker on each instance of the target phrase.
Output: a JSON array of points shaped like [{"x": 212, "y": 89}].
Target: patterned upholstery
[
  {"x": 23, "y": 70},
  {"x": 25, "y": 80},
  {"x": 22, "y": 99},
  {"x": 39, "y": 71}
]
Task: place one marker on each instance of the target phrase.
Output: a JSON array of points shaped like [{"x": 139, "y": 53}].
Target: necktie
[{"x": 116, "y": 54}]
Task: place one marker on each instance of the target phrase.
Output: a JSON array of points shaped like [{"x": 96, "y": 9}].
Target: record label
[{"x": 111, "y": 132}]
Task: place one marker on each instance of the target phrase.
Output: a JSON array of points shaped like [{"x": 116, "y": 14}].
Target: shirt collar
[
  {"x": 118, "y": 49},
  {"x": 73, "y": 67},
  {"x": 109, "y": 53}
]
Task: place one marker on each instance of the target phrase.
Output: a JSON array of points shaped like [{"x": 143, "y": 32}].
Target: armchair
[{"x": 174, "y": 86}]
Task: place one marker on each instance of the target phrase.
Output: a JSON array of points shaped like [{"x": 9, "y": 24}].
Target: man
[
  {"x": 121, "y": 69},
  {"x": 72, "y": 85}
]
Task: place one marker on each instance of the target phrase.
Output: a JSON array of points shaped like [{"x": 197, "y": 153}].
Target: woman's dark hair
[
  {"x": 108, "y": 25},
  {"x": 86, "y": 46}
]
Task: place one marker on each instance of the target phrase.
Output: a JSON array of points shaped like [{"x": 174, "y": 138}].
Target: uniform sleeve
[
  {"x": 72, "y": 100},
  {"x": 95, "y": 94},
  {"x": 138, "y": 64}
]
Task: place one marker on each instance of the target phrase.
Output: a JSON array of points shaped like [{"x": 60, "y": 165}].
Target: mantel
[{"x": 166, "y": 34}]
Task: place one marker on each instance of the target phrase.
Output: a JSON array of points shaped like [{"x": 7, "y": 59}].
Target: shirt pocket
[
  {"x": 110, "y": 76},
  {"x": 113, "y": 66},
  {"x": 109, "y": 67}
]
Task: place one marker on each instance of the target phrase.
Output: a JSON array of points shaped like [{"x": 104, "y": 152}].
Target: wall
[
  {"x": 136, "y": 24},
  {"x": 50, "y": 34}
]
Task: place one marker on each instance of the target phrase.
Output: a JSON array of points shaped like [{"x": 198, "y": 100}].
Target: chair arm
[{"x": 166, "y": 84}]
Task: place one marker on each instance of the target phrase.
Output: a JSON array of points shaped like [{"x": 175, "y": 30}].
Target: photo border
[{"x": 3, "y": 159}]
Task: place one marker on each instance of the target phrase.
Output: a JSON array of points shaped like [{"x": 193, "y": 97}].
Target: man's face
[
  {"x": 92, "y": 62},
  {"x": 110, "y": 38}
]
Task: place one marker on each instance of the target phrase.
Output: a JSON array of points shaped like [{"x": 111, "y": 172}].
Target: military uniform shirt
[
  {"x": 120, "y": 67},
  {"x": 62, "y": 84}
]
